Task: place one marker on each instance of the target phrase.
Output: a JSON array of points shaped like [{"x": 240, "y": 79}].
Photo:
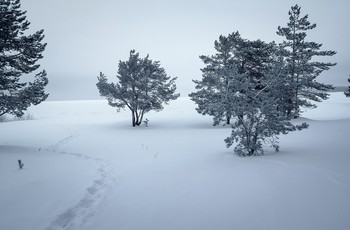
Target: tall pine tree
[
  {"x": 235, "y": 55},
  {"x": 215, "y": 89},
  {"x": 142, "y": 86},
  {"x": 19, "y": 54},
  {"x": 302, "y": 68}
]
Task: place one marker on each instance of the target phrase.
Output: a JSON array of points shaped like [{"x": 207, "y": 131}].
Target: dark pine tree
[
  {"x": 19, "y": 54},
  {"x": 302, "y": 69}
]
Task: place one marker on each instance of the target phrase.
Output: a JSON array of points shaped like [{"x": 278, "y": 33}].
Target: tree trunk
[
  {"x": 141, "y": 116},
  {"x": 228, "y": 118},
  {"x": 133, "y": 118},
  {"x": 255, "y": 140},
  {"x": 296, "y": 106},
  {"x": 137, "y": 118}
]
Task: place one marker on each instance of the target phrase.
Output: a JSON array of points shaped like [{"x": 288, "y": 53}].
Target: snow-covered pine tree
[
  {"x": 142, "y": 86},
  {"x": 302, "y": 68},
  {"x": 214, "y": 90},
  {"x": 255, "y": 60},
  {"x": 19, "y": 54},
  {"x": 244, "y": 83},
  {"x": 258, "y": 118},
  {"x": 234, "y": 56},
  {"x": 347, "y": 92}
]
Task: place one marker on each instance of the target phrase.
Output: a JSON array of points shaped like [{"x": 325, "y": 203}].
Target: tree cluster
[{"x": 261, "y": 86}]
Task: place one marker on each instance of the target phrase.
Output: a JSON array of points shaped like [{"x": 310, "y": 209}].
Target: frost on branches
[
  {"x": 18, "y": 56},
  {"x": 258, "y": 118},
  {"x": 142, "y": 86}
]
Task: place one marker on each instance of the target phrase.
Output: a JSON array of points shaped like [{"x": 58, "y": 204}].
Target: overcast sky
[{"x": 88, "y": 36}]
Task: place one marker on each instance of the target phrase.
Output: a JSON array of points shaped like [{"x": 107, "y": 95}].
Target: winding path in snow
[{"x": 79, "y": 214}]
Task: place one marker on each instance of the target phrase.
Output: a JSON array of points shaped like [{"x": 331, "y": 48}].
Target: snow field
[
  {"x": 33, "y": 196},
  {"x": 174, "y": 174}
]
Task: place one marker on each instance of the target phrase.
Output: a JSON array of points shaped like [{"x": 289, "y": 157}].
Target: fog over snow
[{"x": 86, "y": 36}]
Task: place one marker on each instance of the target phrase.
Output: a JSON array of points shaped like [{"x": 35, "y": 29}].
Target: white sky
[{"x": 88, "y": 36}]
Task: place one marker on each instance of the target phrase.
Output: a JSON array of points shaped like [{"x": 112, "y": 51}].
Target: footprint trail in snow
[{"x": 78, "y": 215}]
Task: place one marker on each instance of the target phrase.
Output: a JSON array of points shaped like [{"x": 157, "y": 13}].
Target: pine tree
[
  {"x": 347, "y": 92},
  {"x": 258, "y": 118},
  {"x": 142, "y": 86},
  {"x": 19, "y": 54},
  {"x": 302, "y": 68},
  {"x": 214, "y": 90},
  {"x": 235, "y": 55}
]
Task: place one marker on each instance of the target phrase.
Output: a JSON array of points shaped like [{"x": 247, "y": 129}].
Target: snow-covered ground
[{"x": 86, "y": 168}]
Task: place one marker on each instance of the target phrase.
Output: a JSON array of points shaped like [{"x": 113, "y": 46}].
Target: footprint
[{"x": 78, "y": 215}]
